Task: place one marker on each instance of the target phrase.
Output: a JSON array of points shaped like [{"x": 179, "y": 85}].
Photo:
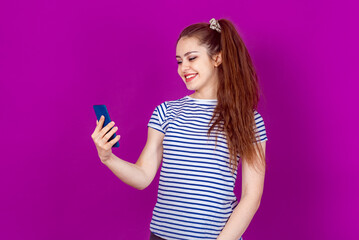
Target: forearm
[
  {"x": 129, "y": 173},
  {"x": 239, "y": 220}
]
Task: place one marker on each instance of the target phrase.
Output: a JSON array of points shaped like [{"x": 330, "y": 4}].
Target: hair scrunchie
[{"x": 214, "y": 25}]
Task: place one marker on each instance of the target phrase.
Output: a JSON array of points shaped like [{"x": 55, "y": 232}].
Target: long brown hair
[{"x": 238, "y": 91}]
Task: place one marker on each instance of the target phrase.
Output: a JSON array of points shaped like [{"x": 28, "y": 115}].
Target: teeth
[{"x": 189, "y": 76}]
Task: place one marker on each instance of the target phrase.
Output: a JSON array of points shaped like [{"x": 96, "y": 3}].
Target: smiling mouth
[{"x": 191, "y": 78}]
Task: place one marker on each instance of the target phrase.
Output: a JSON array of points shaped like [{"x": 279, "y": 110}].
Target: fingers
[
  {"x": 113, "y": 141},
  {"x": 108, "y": 145},
  {"x": 98, "y": 127},
  {"x": 99, "y": 123},
  {"x": 107, "y": 128},
  {"x": 110, "y": 133},
  {"x": 102, "y": 135},
  {"x": 104, "y": 141}
]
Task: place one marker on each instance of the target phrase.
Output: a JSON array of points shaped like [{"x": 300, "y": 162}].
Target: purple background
[{"x": 58, "y": 58}]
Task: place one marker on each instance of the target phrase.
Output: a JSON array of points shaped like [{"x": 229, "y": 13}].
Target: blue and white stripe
[{"x": 195, "y": 193}]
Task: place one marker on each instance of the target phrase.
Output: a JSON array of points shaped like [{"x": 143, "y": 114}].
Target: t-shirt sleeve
[
  {"x": 260, "y": 129},
  {"x": 158, "y": 118}
]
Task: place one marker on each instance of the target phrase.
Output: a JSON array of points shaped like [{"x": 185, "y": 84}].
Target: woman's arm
[
  {"x": 141, "y": 174},
  {"x": 252, "y": 189}
]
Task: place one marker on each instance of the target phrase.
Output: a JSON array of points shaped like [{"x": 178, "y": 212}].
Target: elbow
[
  {"x": 142, "y": 186},
  {"x": 258, "y": 204},
  {"x": 142, "y": 182},
  {"x": 254, "y": 201},
  {"x": 257, "y": 201}
]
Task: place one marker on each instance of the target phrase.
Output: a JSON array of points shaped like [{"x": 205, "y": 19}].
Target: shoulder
[
  {"x": 177, "y": 101},
  {"x": 260, "y": 126},
  {"x": 174, "y": 103},
  {"x": 257, "y": 117},
  {"x": 166, "y": 106}
]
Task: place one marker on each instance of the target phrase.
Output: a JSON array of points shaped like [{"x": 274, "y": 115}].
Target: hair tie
[{"x": 215, "y": 25}]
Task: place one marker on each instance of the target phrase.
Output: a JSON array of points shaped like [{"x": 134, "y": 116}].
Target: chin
[{"x": 191, "y": 88}]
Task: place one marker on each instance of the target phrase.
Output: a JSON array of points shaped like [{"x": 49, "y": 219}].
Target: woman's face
[{"x": 195, "y": 67}]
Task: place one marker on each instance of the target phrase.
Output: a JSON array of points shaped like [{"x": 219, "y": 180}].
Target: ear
[{"x": 218, "y": 59}]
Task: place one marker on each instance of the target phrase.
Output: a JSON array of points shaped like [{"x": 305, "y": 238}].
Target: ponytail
[{"x": 238, "y": 91}]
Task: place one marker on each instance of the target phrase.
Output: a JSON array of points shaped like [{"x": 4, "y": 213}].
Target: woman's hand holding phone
[{"x": 101, "y": 136}]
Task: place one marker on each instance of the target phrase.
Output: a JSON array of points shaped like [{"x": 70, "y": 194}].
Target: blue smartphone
[{"x": 102, "y": 110}]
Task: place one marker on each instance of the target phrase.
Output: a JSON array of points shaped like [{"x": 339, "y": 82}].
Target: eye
[{"x": 191, "y": 59}]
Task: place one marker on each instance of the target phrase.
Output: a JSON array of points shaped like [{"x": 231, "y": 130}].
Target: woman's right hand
[{"x": 100, "y": 139}]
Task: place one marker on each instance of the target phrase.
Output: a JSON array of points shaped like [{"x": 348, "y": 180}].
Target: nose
[{"x": 184, "y": 66}]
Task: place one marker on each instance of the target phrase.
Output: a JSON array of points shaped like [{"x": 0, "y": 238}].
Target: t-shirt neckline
[{"x": 202, "y": 100}]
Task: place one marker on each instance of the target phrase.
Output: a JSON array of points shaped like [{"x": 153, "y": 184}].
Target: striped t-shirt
[{"x": 195, "y": 193}]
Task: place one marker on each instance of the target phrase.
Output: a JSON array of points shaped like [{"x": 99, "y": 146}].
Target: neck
[
  {"x": 203, "y": 96},
  {"x": 208, "y": 92}
]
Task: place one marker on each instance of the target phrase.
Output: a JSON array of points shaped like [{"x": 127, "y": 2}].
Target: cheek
[{"x": 179, "y": 71}]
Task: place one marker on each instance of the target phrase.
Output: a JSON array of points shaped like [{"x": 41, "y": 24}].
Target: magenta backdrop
[{"x": 58, "y": 58}]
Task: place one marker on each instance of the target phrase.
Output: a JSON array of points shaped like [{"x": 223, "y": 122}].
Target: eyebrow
[{"x": 187, "y": 53}]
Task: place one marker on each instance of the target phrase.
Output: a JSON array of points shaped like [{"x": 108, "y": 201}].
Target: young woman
[{"x": 202, "y": 139}]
